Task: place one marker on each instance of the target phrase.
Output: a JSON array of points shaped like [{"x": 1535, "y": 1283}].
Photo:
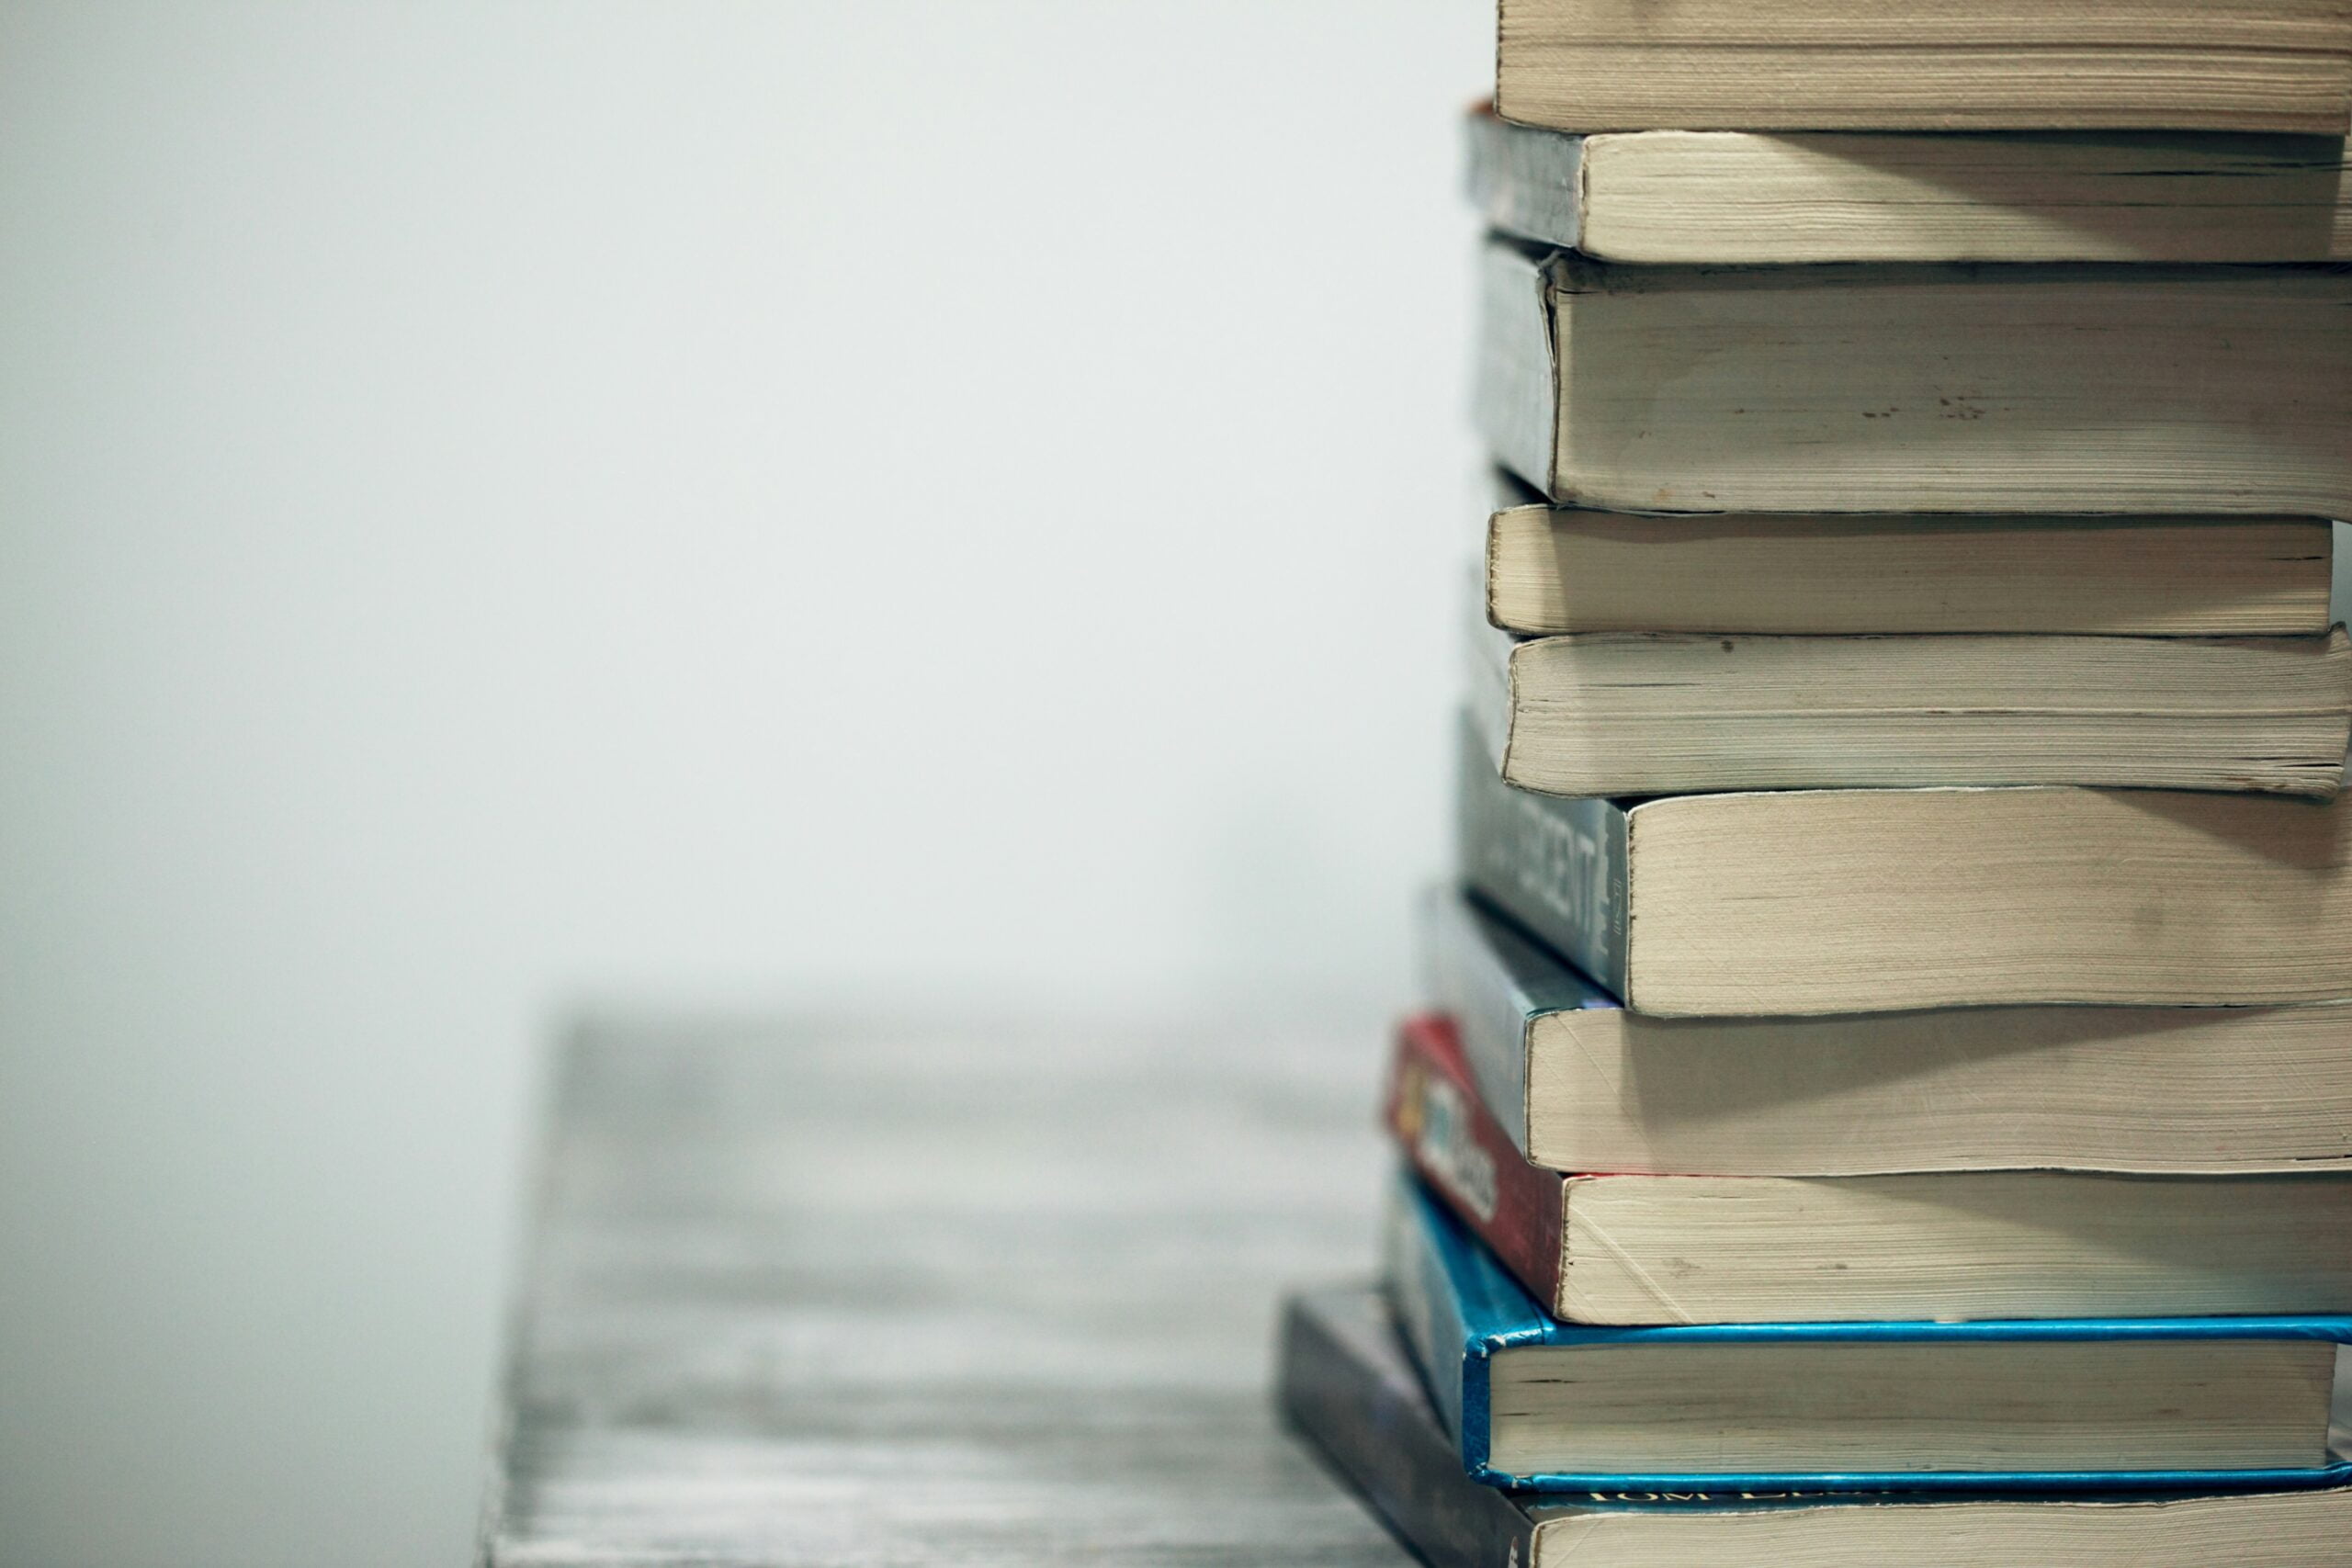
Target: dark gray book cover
[
  {"x": 1346, "y": 1387},
  {"x": 1554, "y": 863}
]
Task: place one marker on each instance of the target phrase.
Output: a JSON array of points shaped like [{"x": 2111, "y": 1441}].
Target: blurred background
[{"x": 508, "y": 509}]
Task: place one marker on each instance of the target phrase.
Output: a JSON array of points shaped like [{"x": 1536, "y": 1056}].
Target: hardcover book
[
  {"x": 1616, "y": 1249},
  {"x": 1919, "y": 388},
  {"x": 2205, "y": 1403},
  {"x": 1737, "y": 197},
  {"x": 1578, "y": 1083},
  {"x": 1881, "y": 900},
  {"x": 1925, "y": 65},
  {"x": 1347, "y": 1388}
]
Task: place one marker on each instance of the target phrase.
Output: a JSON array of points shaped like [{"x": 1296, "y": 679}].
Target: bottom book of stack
[{"x": 1348, "y": 1386}]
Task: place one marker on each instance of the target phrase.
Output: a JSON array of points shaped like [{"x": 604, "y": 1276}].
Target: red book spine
[{"x": 1467, "y": 1157}]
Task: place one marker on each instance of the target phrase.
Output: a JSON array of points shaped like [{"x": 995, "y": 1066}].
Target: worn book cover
[{"x": 1459, "y": 1309}]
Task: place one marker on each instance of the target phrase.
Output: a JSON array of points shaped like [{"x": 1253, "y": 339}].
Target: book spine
[
  {"x": 1554, "y": 863},
  {"x": 1421, "y": 1293},
  {"x": 1454, "y": 1141},
  {"x": 1462, "y": 977},
  {"x": 1524, "y": 182},
  {"x": 1374, "y": 1428},
  {"x": 1516, "y": 386}
]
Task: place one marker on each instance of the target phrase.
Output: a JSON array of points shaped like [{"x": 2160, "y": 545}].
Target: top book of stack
[{"x": 1600, "y": 65}]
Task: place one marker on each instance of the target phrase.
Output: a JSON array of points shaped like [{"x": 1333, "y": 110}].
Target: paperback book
[
  {"x": 1556, "y": 571},
  {"x": 1741, "y": 198},
  {"x": 1577, "y": 1082},
  {"x": 1764, "y": 903},
  {"x": 2056, "y": 1405},
  {"x": 1927, "y": 65},
  {"x": 1618, "y": 1249},
  {"x": 1345, "y": 1386},
  {"x": 1679, "y": 713},
  {"x": 2067, "y": 389}
]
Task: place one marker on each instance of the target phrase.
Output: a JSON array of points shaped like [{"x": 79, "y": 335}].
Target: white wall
[{"x": 508, "y": 503}]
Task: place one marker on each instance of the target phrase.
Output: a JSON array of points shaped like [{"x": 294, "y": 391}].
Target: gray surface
[{"x": 812, "y": 1294}]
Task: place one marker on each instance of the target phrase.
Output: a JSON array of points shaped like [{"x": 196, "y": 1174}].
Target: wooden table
[{"x": 835, "y": 1293}]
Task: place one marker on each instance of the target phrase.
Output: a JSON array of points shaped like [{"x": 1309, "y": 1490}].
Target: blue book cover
[
  {"x": 1346, "y": 1386},
  {"x": 1457, "y": 1310}
]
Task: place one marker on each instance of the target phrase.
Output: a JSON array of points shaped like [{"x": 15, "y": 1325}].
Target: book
[
  {"x": 1345, "y": 1386},
  {"x": 1741, "y": 198},
  {"x": 1673, "y": 713},
  {"x": 1925, "y": 65},
  {"x": 2072, "y": 387},
  {"x": 1578, "y": 1083},
  {"x": 1620, "y": 1248},
  {"x": 2044, "y": 1404},
  {"x": 1553, "y": 570},
  {"x": 1885, "y": 900}
]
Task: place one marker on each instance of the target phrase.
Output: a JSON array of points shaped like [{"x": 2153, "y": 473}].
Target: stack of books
[{"x": 1886, "y": 1094}]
